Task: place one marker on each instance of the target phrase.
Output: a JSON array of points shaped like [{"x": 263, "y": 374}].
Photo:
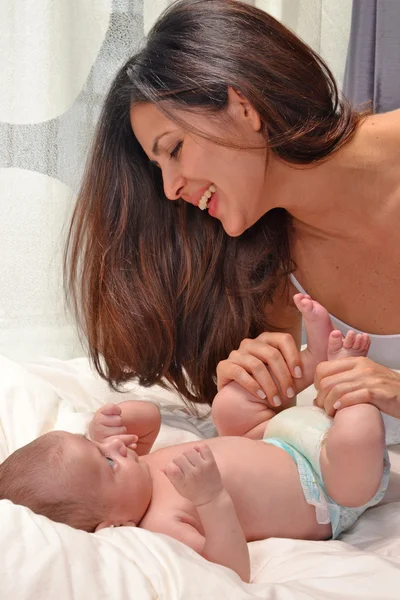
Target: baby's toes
[
  {"x": 357, "y": 342},
  {"x": 335, "y": 342},
  {"x": 365, "y": 342},
  {"x": 349, "y": 340}
]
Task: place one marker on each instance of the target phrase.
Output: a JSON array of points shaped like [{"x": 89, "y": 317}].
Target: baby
[{"x": 298, "y": 474}]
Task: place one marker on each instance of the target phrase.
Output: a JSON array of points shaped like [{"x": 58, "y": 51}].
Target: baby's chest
[{"x": 168, "y": 505}]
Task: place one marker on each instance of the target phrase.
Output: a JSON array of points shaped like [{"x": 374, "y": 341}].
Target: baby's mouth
[{"x": 206, "y": 197}]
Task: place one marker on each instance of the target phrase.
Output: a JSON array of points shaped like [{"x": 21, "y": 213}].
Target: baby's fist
[
  {"x": 107, "y": 421},
  {"x": 195, "y": 475}
]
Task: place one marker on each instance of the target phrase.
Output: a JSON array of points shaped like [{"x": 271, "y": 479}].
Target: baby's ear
[
  {"x": 104, "y": 525},
  {"x": 128, "y": 524}
]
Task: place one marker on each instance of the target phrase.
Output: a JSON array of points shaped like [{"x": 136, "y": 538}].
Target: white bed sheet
[{"x": 42, "y": 560}]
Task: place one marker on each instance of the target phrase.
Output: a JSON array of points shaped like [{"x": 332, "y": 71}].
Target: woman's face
[{"x": 190, "y": 164}]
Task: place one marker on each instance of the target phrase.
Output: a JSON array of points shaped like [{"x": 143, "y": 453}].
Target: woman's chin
[{"x": 234, "y": 228}]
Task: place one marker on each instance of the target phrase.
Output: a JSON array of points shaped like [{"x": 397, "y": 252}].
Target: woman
[{"x": 226, "y": 109}]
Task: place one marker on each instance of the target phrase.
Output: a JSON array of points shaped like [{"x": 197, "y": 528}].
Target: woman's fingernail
[
  {"x": 261, "y": 394},
  {"x": 290, "y": 393},
  {"x": 298, "y": 372},
  {"x": 337, "y": 405},
  {"x": 276, "y": 401}
]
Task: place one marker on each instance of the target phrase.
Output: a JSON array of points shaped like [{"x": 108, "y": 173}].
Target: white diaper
[
  {"x": 300, "y": 431},
  {"x": 304, "y": 428}
]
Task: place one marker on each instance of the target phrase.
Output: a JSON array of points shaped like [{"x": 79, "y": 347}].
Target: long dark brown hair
[{"x": 160, "y": 291}]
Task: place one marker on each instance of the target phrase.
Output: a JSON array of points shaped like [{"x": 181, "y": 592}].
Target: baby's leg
[
  {"x": 352, "y": 455},
  {"x": 237, "y": 412}
]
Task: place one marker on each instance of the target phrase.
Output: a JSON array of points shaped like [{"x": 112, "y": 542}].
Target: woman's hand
[
  {"x": 264, "y": 366},
  {"x": 356, "y": 380}
]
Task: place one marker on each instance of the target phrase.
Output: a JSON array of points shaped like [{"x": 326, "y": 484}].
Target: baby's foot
[
  {"x": 353, "y": 344},
  {"x": 318, "y": 326}
]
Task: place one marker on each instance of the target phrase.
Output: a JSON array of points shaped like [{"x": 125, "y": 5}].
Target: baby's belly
[
  {"x": 264, "y": 484},
  {"x": 262, "y": 480}
]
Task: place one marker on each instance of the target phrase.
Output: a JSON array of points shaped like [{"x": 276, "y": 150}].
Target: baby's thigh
[{"x": 237, "y": 412}]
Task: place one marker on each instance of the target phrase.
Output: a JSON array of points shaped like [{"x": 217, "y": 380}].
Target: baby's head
[{"x": 72, "y": 480}]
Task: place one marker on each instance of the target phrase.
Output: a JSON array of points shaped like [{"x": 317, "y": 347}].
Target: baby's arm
[
  {"x": 236, "y": 411},
  {"x": 142, "y": 419},
  {"x": 195, "y": 476},
  {"x": 131, "y": 417}
]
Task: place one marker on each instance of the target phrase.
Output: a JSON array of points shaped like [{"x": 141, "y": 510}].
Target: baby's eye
[{"x": 110, "y": 461}]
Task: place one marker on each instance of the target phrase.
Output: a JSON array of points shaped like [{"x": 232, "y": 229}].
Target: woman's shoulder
[
  {"x": 387, "y": 123},
  {"x": 382, "y": 137}
]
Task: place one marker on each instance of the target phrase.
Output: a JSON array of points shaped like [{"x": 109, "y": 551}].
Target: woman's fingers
[
  {"x": 333, "y": 367},
  {"x": 262, "y": 369},
  {"x": 267, "y": 366},
  {"x": 285, "y": 343},
  {"x": 240, "y": 373},
  {"x": 348, "y": 381},
  {"x": 330, "y": 375},
  {"x": 344, "y": 394}
]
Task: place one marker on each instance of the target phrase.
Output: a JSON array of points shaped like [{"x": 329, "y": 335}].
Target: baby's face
[{"x": 116, "y": 472}]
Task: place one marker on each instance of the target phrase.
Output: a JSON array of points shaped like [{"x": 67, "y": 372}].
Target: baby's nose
[{"x": 114, "y": 447}]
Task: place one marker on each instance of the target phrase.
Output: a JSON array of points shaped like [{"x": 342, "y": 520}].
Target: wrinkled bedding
[{"x": 41, "y": 559}]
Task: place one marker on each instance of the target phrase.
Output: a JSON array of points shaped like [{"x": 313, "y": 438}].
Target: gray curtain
[{"x": 373, "y": 61}]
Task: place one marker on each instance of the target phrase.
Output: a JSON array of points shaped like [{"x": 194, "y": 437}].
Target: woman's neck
[{"x": 357, "y": 186}]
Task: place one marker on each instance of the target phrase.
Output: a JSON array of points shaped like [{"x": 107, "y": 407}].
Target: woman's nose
[{"x": 173, "y": 185}]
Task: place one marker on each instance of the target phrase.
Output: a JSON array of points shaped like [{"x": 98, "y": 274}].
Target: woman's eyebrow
[{"x": 155, "y": 149}]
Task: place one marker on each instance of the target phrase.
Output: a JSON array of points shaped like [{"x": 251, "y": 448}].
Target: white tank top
[{"x": 384, "y": 349}]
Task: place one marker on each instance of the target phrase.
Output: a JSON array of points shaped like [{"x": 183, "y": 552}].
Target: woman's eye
[{"x": 175, "y": 152}]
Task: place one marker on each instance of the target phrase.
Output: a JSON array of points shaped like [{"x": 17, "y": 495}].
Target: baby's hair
[{"x": 39, "y": 476}]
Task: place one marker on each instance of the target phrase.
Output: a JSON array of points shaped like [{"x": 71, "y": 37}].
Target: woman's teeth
[{"x": 206, "y": 197}]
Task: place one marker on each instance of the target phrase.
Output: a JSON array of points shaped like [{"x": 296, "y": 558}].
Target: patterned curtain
[{"x": 57, "y": 58}]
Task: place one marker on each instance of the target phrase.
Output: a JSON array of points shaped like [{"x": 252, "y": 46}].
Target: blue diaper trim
[{"x": 327, "y": 510}]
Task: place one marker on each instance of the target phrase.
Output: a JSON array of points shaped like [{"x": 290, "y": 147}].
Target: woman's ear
[{"x": 240, "y": 108}]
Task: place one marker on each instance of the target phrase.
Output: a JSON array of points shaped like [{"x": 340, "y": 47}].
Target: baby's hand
[
  {"x": 107, "y": 422},
  {"x": 195, "y": 475}
]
